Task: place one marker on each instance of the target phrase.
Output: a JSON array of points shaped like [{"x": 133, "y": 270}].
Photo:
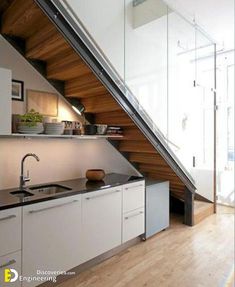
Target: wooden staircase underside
[{"x": 43, "y": 44}]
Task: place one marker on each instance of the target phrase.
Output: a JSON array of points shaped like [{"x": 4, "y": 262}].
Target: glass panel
[
  {"x": 103, "y": 21},
  {"x": 203, "y": 170},
  {"x": 181, "y": 87},
  {"x": 167, "y": 67},
  {"x": 225, "y": 128},
  {"x": 146, "y": 57},
  {"x": 191, "y": 101}
]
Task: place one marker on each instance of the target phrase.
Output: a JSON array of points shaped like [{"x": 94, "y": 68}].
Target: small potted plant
[{"x": 30, "y": 123}]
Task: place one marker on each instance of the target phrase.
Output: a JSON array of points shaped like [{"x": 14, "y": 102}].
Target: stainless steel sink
[
  {"x": 21, "y": 193},
  {"x": 50, "y": 188}
]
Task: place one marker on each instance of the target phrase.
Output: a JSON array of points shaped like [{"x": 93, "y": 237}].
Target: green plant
[{"x": 31, "y": 118}]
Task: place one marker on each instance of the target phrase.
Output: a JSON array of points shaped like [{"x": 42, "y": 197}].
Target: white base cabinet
[
  {"x": 10, "y": 245},
  {"x": 102, "y": 221},
  {"x": 52, "y": 236},
  {"x": 10, "y": 230},
  {"x": 10, "y": 261},
  {"x": 133, "y": 223},
  {"x": 133, "y": 196},
  {"x": 60, "y": 234}
]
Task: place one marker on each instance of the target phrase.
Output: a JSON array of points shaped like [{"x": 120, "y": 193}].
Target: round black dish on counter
[{"x": 90, "y": 129}]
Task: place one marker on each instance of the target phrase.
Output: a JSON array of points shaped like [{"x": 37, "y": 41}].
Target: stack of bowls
[
  {"x": 101, "y": 129},
  {"x": 54, "y": 128}
]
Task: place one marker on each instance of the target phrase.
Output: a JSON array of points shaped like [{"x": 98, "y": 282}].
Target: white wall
[
  {"x": 22, "y": 70},
  {"x": 216, "y": 17},
  {"x": 60, "y": 159}
]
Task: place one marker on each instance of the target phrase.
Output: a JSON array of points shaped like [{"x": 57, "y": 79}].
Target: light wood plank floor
[{"x": 182, "y": 256}]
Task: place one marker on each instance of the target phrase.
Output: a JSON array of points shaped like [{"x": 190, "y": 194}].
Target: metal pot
[{"x": 90, "y": 129}]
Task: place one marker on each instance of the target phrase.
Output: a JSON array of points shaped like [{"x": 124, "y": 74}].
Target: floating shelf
[{"x": 79, "y": 137}]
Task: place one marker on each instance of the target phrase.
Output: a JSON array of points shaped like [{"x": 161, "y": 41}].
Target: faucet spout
[{"x": 24, "y": 179}]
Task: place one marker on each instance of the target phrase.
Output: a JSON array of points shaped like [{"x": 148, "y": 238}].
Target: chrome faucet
[{"x": 24, "y": 179}]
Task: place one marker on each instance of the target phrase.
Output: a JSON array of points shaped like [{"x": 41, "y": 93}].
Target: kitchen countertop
[{"x": 77, "y": 186}]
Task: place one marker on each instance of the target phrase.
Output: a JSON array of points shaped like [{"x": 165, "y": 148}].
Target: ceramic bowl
[{"x": 95, "y": 174}]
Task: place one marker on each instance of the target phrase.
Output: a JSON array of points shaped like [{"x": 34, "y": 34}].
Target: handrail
[{"x": 107, "y": 75}]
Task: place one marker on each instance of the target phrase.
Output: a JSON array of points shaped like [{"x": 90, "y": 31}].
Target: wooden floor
[{"x": 181, "y": 256}]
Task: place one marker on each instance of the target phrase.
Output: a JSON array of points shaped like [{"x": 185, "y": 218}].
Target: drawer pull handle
[
  {"x": 133, "y": 215},
  {"x": 7, "y": 217},
  {"x": 8, "y": 263},
  {"x": 139, "y": 185},
  {"x": 51, "y": 207},
  {"x": 103, "y": 194}
]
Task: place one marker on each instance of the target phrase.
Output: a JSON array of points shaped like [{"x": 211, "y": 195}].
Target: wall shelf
[{"x": 78, "y": 137}]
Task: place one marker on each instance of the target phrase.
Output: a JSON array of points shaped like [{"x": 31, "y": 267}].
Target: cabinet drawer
[
  {"x": 102, "y": 221},
  {"x": 10, "y": 261},
  {"x": 133, "y": 196},
  {"x": 133, "y": 224},
  {"x": 10, "y": 226},
  {"x": 100, "y": 194}
]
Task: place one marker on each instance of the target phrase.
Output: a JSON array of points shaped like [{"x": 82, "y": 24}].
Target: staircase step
[
  {"x": 100, "y": 104},
  {"x": 46, "y": 44},
  {"x": 68, "y": 67},
  {"x": 178, "y": 194},
  {"x": 202, "y": 210},
  {"x": 117, "y": 118},
  {"x": 84, "y": 86},
  {"x": 159, "y": 166},
  {"x": 144, "y": 158},
  {"x": 22, "y": 19},
  {"x": 136, "y": 146},
  {"x": 132, "y": 133},
  {"x": 175, "y": 182}
]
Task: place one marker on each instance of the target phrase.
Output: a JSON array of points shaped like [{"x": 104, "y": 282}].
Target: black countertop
[{"x": 77, "y": 186}]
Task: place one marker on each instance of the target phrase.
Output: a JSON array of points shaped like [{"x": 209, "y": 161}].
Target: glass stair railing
[{"x": 159, "y": 67}]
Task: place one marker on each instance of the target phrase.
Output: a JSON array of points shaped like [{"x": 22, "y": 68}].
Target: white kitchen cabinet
[
  {"x": 10, "y": 261},
  {"x": 133, "y": 212},
  {"x": 10, "y": 230},
  {"x": 5, "y": 101},
  {"x": 102, "y": 221},
  {"x": 52, "y": 236},
  {"x": 133, "y": 224},
  {"x": 62, "y": 233},
  {"x": 133, "y": 196}
]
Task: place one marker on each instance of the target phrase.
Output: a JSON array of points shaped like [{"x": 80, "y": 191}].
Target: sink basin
[
  {"x": 21, "y": 193},
  {"x": 50, "y": 189}
]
